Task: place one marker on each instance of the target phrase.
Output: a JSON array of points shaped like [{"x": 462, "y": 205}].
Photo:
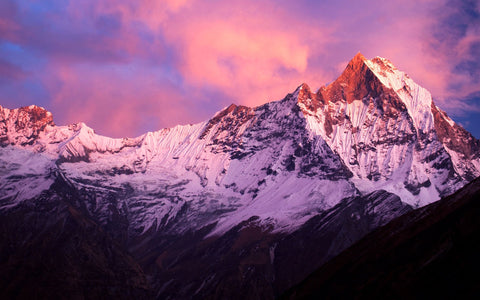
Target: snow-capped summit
[{"x": 389, "y": 133}]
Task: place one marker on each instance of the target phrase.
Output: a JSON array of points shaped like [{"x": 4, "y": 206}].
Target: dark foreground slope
[
  {"x": 50, "y": 249},
  {"x": 429, "y": 252}
]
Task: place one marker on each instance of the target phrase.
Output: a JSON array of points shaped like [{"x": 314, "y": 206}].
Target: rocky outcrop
[{"x": 22, "y": 126}]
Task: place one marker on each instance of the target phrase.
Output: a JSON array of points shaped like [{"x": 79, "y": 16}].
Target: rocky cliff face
[
  {"x": 248, "y": 177},
  {"x": 22, "y": 126}
]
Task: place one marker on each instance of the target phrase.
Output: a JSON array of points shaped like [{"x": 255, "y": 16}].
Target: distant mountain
[
  {"x": 247, "y": 192},
  {"x": 431, "y": 252}
]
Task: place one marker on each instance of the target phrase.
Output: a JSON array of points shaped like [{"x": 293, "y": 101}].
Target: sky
[{"x": 128, "y": 67}]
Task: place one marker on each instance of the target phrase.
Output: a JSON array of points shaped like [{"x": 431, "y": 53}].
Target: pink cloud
[
  {"x": 150, "y": 12},
  {"x": 7, "y": 27},
  {"x": 238, "y": 47},
  {"x": 10, "y": 71},
  {"x": 113, "y": 104},
  {"x": 238, "y": 60}
]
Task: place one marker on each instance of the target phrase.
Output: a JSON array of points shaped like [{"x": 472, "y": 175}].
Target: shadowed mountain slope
[{"x": 431, "y": 252}]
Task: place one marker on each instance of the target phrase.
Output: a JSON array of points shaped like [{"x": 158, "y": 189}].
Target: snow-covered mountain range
[
  {"x": 370, "y": 132},
  {"x": 373, "y": 128}
]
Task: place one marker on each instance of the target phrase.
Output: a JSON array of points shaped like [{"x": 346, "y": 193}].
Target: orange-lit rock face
[
  {"x": 229, "y": 119},
  {"x": 312, "y": 101},
  {"x": 357, "y": 82},
  {"x": 25, "y": 122},
  {"x": 453, "y": 136},
  {"x": 33, "y": 116}
]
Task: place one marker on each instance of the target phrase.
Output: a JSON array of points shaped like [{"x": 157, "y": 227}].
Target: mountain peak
[
  {"x": 379, "y": 79},
  {"x": 355, "y": 67},
  {"x": 359, "y": 57},
  {"x": 304, "y": 86},
  {"x": 355, "y": 83},
  {"x": 22, "y": 125}
]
